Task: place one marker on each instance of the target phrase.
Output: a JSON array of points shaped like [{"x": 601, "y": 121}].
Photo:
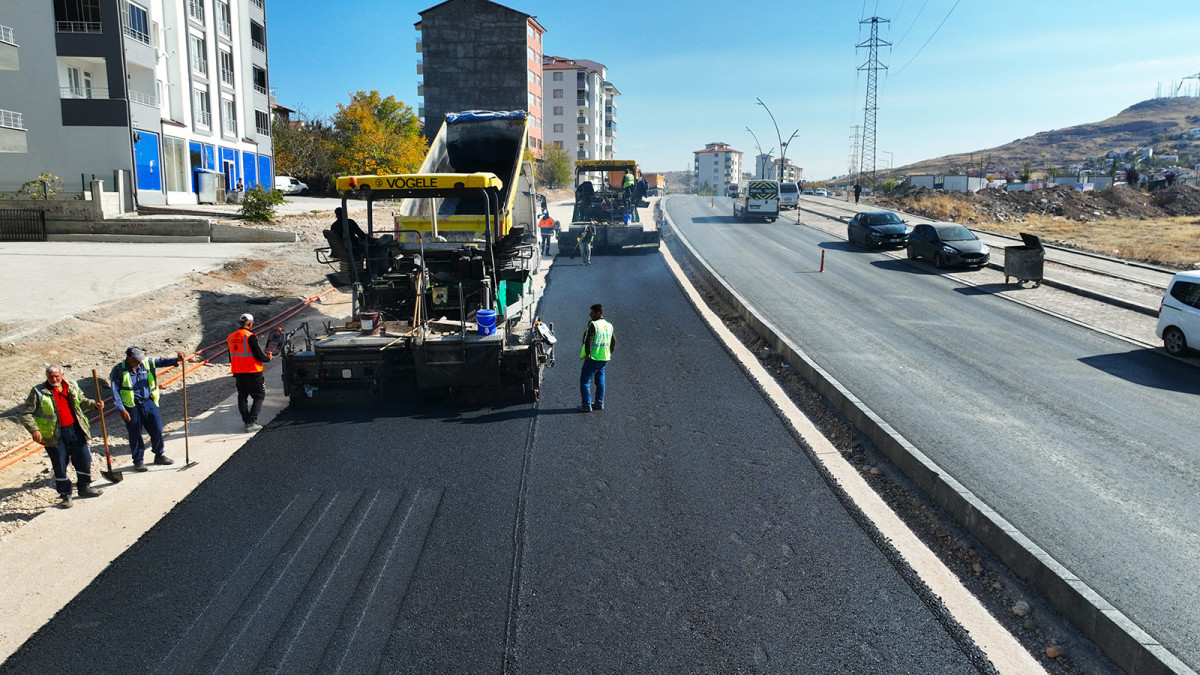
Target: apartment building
[
  {"x": 581, "y": 107},
  {"x": 719, "y": 165},
  {"x": 163, "y": 90},
  {"x": 479, "y": 55}
]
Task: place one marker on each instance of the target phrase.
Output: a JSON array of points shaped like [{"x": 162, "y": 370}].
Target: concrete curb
[
  {"x": 175, "y": 231},
  {"x": 1120, "y": 638}
]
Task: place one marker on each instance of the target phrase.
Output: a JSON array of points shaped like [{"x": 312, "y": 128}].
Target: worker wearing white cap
[
  {"x": 134, "y": 383},
  {"x": 246, "y": 361}
]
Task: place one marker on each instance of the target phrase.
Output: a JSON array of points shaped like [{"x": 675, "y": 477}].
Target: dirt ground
[
  {"x": 199, "y": 311},
  {"x": 1162, "y": 227}
]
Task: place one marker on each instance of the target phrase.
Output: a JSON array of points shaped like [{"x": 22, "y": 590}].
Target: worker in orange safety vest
[{"x": 246, "y": 361}]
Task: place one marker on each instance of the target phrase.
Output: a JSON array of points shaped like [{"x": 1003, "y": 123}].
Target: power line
[
  {"x": 935, "y": 32},
  {"x": 914, "y": 22}
]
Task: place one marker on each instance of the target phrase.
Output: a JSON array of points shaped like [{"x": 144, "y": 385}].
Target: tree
[
  {"x": 305, "y": 149},
  {"x": 1026, "y": 172},
  {"x": 376, "y": 135},
  {"x": 706, "y": 189},
  {"x": 555, "y": 169}
]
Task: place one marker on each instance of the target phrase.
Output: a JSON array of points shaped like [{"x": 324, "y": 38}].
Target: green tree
[
  {"x": 1026, "y": 174},
  {"x": 305, "y": 149},
  {"x": 555, "y": 169},
  {"x": 376, "y": 135},
  {"x": 706, "y": 189}
]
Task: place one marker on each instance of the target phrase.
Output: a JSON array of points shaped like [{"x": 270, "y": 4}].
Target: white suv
[
  {"x": 1179, "y": 315},
  {"x": 290, "y": 186}
]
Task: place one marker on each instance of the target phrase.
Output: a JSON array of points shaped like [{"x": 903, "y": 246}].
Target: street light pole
[
  {"x": 889, "y": 154},
  {"x": 782, "y": 144}
]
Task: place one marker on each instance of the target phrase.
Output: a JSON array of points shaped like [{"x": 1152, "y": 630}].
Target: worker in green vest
[
  {"x": 627, "y": 183},
  {"x": 53, "y": 415},
  {"x": 598, "y": 345},
  {"x": 134, "y": 384}
]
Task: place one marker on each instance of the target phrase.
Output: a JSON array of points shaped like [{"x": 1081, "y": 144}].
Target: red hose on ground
[{"x": 29, "y": 447}]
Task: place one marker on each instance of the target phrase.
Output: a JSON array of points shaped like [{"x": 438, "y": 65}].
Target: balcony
[
  {"x": 582, "y": 154},
  {"x": 143, "y": 99},
  {"x": 258, "y": 45},
  {"x": 12, "y": 120},
  {"x": 581, "y": 137},
  {"x": 6, "y": 35},
  {"x": 418, "y": 46},
  {"x": 195, "y": 9},
  {"x": 224, "y": 28},
  {"x": 204, "y": 119},
  {"x": 83, "y": 92},
  {"x": 260, "y": 89},
  {"x": 78, "y": 27},
  {"x": 227, "y": 76},
  {"x": 581, "y": 119},
  {"x": 257, "y": 3}
]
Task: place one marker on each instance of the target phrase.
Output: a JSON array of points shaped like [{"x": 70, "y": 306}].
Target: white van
[
  {"x": 789, "y": 196},
  {"x": 1179, "y": 314},
  {"x": 290, "y": 186},
  {"x": 757, "y": 199}
]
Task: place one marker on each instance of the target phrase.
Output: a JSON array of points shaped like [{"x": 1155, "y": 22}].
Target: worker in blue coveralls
[{"x": 134, "y": 384}]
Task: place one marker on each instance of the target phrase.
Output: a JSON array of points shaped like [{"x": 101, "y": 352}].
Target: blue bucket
[{"x": 486, "y": 320}]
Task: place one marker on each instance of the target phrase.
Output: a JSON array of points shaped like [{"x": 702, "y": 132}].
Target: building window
[
  {"x": 558, "y": 93},
  {"x": 135, "y": 22},
  {"x": 77, "y": 16},
  {"x": 558, "y": 110},
  {"x": 203, "y": 113},
  {"x": 224, "y": 19},
  {"x": 558, "y": 128},
  {"x": 196, "y": 10},
  {"x": 558, "y": 144},
  {"x": 79, "y": 83},
  {"x": 227, "y": 67},
  {"x": 262, "y": 123},
  {"x": 229, "y": 117},
  {"x": 260, "y": 80},
  {"x": 258, "y": 36},
  {"x": 175, "y": 164},
  {"x": 199, "y": 55},
  {"x": 558, "y": 77}
]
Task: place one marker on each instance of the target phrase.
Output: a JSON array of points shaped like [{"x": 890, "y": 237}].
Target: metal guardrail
[
  {"x": 12, "y": 120},
  {"x": 204, "y": 118},
  {"x": 145, "y": 99},
  {"x": 83, "y": 92},
  {"x": 22, "y": 225},
  {"x": 138, "y": 35},
  {"x": 78, "y": 27},
  {"x": 258, "y": 45}
]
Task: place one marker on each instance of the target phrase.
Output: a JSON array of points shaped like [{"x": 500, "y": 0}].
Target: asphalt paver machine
[{"x": 611, "y": 209}]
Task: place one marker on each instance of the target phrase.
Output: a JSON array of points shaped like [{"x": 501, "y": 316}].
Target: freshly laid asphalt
[{"x": 682, "y": 529}]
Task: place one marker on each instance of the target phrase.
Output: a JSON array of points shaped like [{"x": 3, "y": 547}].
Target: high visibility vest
[
  {"x": 546, "y": 223},
  {"x": 628, "y": 180},
  {"x": 45, "y": 414},
  {"x": 126, "y": 386},
  {"x": 599, "y": 349},
  {"x": 241, "y": 359}
]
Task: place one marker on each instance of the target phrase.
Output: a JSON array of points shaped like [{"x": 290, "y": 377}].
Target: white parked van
[
  {"x": 789, "y": 196},
  {"x": 1179, "y": 315},
  {"x": 290, "y": 186}
]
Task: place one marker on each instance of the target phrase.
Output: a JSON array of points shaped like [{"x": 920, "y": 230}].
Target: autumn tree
[
  {"x": 376, "y": 135},
  {"x": 304, "y": 148},
  {"x": 555, "y": 169}
]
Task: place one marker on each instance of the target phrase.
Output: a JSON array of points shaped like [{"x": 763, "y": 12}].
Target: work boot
[
  {"x": 139, "y": 467},
  {"x": 253, "y": 427},
  {"x": 163, "y": 459},
  {"x": 66, "y": 501},
  {"x": 597, "y": 406},
  {"x": 584, "y": 407},
  {"x": 90, "y": 491}
]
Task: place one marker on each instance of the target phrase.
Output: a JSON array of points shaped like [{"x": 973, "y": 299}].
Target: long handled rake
[{"x": 110, "y": 475}]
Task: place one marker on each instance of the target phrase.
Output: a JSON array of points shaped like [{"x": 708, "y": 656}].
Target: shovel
[
  {"x": 110, "y": 475},
  {"x": 187, "y": 455}
]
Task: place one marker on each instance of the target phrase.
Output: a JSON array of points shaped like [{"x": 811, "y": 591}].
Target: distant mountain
[{"x": 1146, "y": 124}]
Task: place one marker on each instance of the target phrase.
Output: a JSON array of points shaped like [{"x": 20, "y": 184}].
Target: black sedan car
[
  {"x": 947, "y": 244},
  {"x": 877, "y": 229}
]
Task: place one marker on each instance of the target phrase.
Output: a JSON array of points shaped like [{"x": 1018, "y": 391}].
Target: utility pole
[{"x": 872, "y": 66}]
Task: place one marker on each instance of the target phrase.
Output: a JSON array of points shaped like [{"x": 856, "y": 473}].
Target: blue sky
[{"x": 689, "y": 71}]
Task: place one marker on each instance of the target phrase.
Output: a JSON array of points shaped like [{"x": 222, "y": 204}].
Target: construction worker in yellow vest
[
  {"x": 134, "y": 383},
  {"x": 598, "y": 345},
  {"x": 246, "y": 361},
  {"x": 53, "y": 415},
  {"x": 627, "y": 184}
]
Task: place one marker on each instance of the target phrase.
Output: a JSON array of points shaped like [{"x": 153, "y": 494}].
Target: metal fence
[{"x": 22, "y": 225}]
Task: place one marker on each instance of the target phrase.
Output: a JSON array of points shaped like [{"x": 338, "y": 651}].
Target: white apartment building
[
  {"x": 580, "y": 107},
  {"x": 719, "y": 165},
  {"x": 162, "y": 90}
]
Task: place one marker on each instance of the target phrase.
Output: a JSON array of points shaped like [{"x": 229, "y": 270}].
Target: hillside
[{"x": 1138, "y": 126}]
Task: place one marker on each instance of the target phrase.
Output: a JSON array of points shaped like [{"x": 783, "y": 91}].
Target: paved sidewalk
[{"x": 46, "y": 282}]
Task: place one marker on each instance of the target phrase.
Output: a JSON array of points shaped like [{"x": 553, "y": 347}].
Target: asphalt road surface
[
  {"x": 682, "y": 529},
  {"x": 1086, "y": 443}
]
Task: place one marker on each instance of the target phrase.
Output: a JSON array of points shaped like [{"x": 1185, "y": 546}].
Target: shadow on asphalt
[
  {"x": 1148, "y": 368},
  {"x": 715, "y": 219},
  {"x": 841, "y": 245}
]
